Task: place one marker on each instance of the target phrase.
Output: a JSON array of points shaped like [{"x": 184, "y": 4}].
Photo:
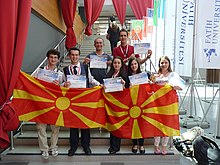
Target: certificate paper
[
  {"x": 47, "y": 75},
  {"x": 176, "y": 80},
  {"x": 77, "y": 81},
  {"x": 140, "y": 78},
  {"x": 161, "y": 80},
  {"x": 98, "y": 61},
  {"x": 113, "y": 84},
  {"x": 141, "y": 48}
]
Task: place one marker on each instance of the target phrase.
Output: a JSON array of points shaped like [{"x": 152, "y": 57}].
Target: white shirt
[{"x": 92, "y": 81}]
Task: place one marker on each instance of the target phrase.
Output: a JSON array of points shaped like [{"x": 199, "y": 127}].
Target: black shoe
[
  {"x": 114, "y": 152},
  {"x": 111, "y": 151},
  {"x": 72, "y": 151},
  {"x": 134, "y": 149},
  {"x": 142, "y": 151},
  {"x": 87, "y": 151}
]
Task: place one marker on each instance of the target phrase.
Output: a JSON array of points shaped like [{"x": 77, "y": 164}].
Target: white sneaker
[
  {"x": 45, "y": 154},
  {"x": 54, "y": 152}
]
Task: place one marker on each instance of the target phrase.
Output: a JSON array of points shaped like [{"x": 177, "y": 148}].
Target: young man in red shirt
[{"x": 126, "y": 51}]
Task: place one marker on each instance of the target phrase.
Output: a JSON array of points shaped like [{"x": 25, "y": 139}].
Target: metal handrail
[
  {"x": 60, "y": 42},
  {"x": 45, "y": 59}
]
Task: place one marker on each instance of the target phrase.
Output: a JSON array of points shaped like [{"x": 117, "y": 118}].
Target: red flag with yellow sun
[
  {"x": 138, "y": 112},
  {"x": 143, "y": 111},
  {"x": 45, "y": 102}
]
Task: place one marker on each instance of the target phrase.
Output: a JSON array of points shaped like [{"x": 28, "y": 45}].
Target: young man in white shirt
[
  {"x": 53, "y": 58},
  {"x": 78, "y": 68}
]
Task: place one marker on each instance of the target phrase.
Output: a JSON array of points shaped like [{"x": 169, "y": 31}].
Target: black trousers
[
  {"x": 138, "y": 141},
  {"x": 115, "y": 142},
  {"x": 74, "y": 138},
  {"x": 113, "y": 45}
]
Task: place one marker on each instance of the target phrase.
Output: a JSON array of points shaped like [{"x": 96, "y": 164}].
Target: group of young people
[{"x": 123, "y": 64}]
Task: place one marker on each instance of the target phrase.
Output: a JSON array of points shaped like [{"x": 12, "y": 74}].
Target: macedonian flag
[
  {"x": 45, "y": 102},
  {"x": 141, "y": 111}
]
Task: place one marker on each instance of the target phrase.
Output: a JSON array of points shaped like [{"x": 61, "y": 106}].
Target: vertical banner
[
  {"x": 160, "y": 31},
  {"x": 148, "y": 29},
  {"x": 147, "y": 36},
  {"x": 170, "y": 9},
  {"x": 208, "y": 37},
  {"x": 137, "y": 29},
  {"x": 184, "y": 37},
  {"x": 156, "y": 6},
  {"x": 160, "y": 44}
]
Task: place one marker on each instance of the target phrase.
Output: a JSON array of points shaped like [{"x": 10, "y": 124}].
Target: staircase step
[
  {"x": 26, "y": 148},
  {"x": 99, "y": 153},
  {"x": 97, "y": 138}
]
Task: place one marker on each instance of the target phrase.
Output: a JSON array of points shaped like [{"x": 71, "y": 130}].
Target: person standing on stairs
[
  {"x": 112, "y": 18},
  {"x": 126, "y": 51},
  {"x": 77, "y": 68},
  {"x": 97, "y": 71},
  {"x": 134, "y": 68},
  {"x": 163, "y": 77},
  {"x": 52, "y": 58},
  {"x": 113, "y": 35},
  {"x": 117, "y": 70}
]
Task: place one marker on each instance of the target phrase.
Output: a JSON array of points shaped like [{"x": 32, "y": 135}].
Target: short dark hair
[
  {"x": 123, "y": 30},
  {"x": 97, "y": 39},
  {"x": 74, "y": 48},
  {"x": 53, "y": 51}
]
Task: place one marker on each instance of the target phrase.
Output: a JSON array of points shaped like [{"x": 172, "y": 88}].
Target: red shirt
[{"x": 124, "y": 51}]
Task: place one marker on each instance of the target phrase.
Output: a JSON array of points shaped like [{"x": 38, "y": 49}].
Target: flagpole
[
  {"x": 193, "y": 61},
  {"x": 217, "y": 134},
  {"x": 155, "y": 24},
  {"x": 191, "y": 85},
  {"x": 193, "y": 120},
  {"x": 163, "y": 16},
  {"x": 174, "y": 62}
]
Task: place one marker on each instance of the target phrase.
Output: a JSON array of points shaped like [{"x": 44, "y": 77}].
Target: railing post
[
  {"x": 218, "y": 117},
  {"x": 12, "y": 140}
]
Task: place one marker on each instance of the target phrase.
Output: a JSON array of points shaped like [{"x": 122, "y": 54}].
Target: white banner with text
[
  {"x": 184, "y": 37},
  {"x": 208, "y": 37}
]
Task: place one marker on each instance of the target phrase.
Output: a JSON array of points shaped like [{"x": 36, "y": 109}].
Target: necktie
[{"x": 74, "y": 70}]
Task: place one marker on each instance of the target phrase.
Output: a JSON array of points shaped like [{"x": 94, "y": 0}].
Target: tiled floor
[{"x": 182, "y": 161}]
